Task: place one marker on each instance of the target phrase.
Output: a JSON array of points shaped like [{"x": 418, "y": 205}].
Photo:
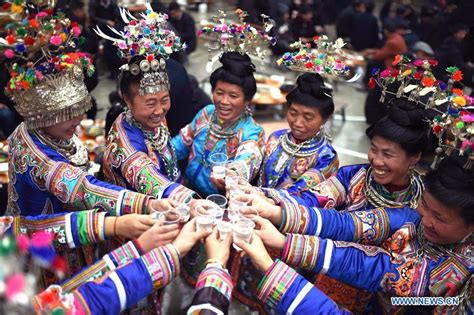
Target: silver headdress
[
  {"x": 47, "y": 85},
  {"x": 148, "y": 37}
]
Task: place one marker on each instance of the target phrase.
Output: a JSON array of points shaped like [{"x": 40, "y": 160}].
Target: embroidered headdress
[
  {"x": 149, "y": 38},
  {"x": 47, "y": 84},
  {"x": 239, "y": 37},
  {"x": 454, "y": 122},
  {"x": 326, "y": 59}
]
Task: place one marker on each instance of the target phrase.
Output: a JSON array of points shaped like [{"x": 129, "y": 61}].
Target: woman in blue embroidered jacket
[
  {"x": 427, "y": 252},
  {"x": 139, "y": 155},
  {"x": 225, "y": 126},
  {"x": 301, "y": 155}
]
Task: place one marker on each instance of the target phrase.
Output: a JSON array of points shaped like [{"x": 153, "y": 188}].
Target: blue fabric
[
  {"x": 314, "y": 302},
  {"x": 102, "y": 298},
  {"x": 325, "y": 156}
]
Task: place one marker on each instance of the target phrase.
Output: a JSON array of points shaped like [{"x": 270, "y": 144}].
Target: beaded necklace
[
  {"x": 218, "y": 132},
  {"x": 375, "y": 198},
  {"x": 72, "y": 149},
  {"x": 436, "y": 252},
  {"x": 158, "y": 139},
  {"x": 293, "y": 150}
]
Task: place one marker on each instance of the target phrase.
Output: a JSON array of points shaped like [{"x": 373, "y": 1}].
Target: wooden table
[{"x": 269, "y": 99}]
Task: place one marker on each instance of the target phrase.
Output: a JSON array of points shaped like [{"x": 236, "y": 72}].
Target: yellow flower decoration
[
  {"x": 459, "y": 100},
  {"x": 15, "y": 8}
]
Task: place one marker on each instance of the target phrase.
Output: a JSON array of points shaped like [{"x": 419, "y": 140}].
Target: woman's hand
[
  {"x": 217, "y": 249},
  {"x": 257, "y": 252},
  {"x": 219, "y": 183},
  {"x": 159, "y": 205},
  {"x": 269, "y": 234},
  {"x": 128, "y": 226},
  {"x": 188, "y": 237},
  {"x": 158, "y": 235},
  {"x": 200, "y": 203},
  {"x": 265, "y": 207}
]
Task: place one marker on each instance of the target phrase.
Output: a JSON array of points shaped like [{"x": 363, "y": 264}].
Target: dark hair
[
  {"x": 453, "y": 186},
  {"x": 405, "y": 124},
  {"x": 390, "y": 25},
  {"x": 173, "y": 6},
  {"x": 236, "y": 69},
  {"x": 304, "y": 8},
  {"x": 310, "y": 91}
]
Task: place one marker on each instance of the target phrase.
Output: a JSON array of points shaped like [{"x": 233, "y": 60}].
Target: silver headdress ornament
[
  {"x": 47, "y": 85},
  {"x": 453, "y": 125},
  {"x": 148, "y": 37},
  {"x": 326, "y": 59},
  {"x": 236, "y": 37}
]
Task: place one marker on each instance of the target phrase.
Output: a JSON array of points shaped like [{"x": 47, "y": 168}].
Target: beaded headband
[
  {"x": 236, "y": 37},
  {"x": 454, "y": 125},
  {"x": 47, "y": 85},
  {"x": 327, "y": 59},
  {"x": 148, "y": 37}
]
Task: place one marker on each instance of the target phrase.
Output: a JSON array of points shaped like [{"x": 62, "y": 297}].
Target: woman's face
[
  {"x": 229, "y": 100},
  {"x": 390, "y": 163},
  {"x": 304, "y": 121},
  {"x": 442, "y": 224},
  {"x": 150, "y": 109},
  {"x": 64, "y": 130}
]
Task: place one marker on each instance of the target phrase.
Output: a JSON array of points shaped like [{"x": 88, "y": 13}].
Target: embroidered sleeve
[
  {"x": 213, "y": 291},
  {"x": 115, "y": 259},
  {"x": 72, "y": 229},
  {"x": 73, "y": 186},
  {"x": 119, "y": 289},
  {"x": 289, "y": 293}
]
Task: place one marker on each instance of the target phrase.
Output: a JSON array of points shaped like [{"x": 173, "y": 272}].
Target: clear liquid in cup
[
  {"x": 224, "y": 227},
  {"x": 242, "y": 230},
  {"x": 204, "y": 223},
  {"x": 218, "y": 171},
  {"x": 184, "y": 211},
  {"x": 233, "y": 215}
]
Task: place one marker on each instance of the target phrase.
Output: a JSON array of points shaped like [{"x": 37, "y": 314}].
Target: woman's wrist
[
  {"x": 109, "y": 223},
  {"x": 276, "y": 216}
]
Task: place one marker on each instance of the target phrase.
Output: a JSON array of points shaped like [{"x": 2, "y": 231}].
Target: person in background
[
  {"x": 410, "y": 38},
  {"x": 394, "y": 45},
  {"x": 364, "y": 28},
  {"x": 306, "y": 25},
  {"x": 184, "y": 25},
  {"x": 452, "y": 53},
  {"x": 423, "y": 50}
]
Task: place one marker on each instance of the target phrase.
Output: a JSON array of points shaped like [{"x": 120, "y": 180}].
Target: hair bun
[
  {"x": 408, "y": 114},
  {"x": 453, "y": 174},
  {"x": 313, "y": 84},
  {"x": 237, "y": 64}
]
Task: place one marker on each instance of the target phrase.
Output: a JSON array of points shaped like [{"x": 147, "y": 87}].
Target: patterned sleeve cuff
[
  {"x": 162, "y": 264},
  {"x": 274, "y": 284},
  {"x": 295, "y": 218},
  {"x": 182, "y": 194},
  {"x": 132, "y": 202},
  {"x": 217, "y": 278},
  {"x": 307, "y": 252},
  {"x": 272, "y": 194},
  {"x": 122, "y": 255},
  {"x": 85, "y": 227}
]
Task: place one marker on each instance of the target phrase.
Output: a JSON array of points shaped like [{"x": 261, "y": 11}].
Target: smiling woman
[{"x": 223, "y": 127}]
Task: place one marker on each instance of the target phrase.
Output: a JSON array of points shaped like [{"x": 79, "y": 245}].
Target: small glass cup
[
  {"x": 232, "y": 215},
  {"x": 242, "y": 230},
  {"x": 248, "y": 213},
  {"x": 236, "y": 205},
  {"x": 232, "y": 181},
  {"x": 218, "y": 163},
  {"x": 219, "y": 200},
  {"x": 204, "y": 223},
  {"x": 169, "y": 217},
  {"x": 185, "y": 212},
  {"x": 224, "y": 227}
]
